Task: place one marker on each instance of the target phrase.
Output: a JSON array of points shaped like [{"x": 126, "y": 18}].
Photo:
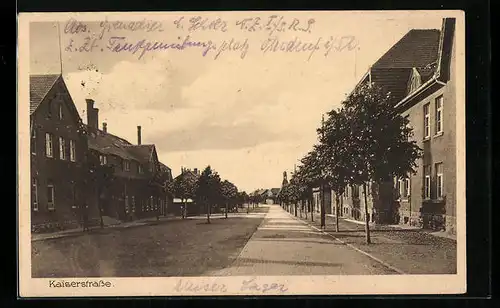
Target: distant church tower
[{"x": 285, "y": 181}]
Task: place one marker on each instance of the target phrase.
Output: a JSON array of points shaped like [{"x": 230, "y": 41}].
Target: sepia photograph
[{"x": 241, "y": 153}]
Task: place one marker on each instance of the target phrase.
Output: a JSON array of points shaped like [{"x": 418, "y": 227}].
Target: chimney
[
  {"x": 138, "y": 135},
  {"x": 92, "y": 114},
  {"x": 105, "y": 127}
]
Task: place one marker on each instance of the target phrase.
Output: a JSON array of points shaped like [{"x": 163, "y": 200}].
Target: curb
[
  {"x": 109, "y": 227},
  {"x": 397, "y": 270}
]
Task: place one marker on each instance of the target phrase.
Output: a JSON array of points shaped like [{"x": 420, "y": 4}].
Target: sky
[{"x": 249, "y": 118}]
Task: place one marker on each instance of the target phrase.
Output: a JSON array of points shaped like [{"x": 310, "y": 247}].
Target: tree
[
  {"x": 208, "y": 189},
  {"x": 378, "y": 144},
  {"x": 229, "y": 193},
  {"x": 183, "y": 187},
  {"x": 336, "y": 161},
  {"x": 312, "y": 173}
]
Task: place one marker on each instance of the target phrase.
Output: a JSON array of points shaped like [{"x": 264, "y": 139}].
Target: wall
[
  {"x": 437, "y": 148},
  {"x": 65, "y": 175}
]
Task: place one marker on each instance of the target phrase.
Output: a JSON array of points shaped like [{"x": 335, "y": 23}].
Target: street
[{"x": 267, "y": 241}]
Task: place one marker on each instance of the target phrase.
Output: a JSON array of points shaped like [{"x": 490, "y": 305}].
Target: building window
[
  {"x": 33, "y": 142},
  {"x": 51, "y": 197},
  {"x": 72, "y": 150},
  {"x": 62, "y": 148},
  {"x": 103, "y": 159},
  {"x": 49, "y": 151},
  {"x": 406, "y": 188},
  {"x": 439, "y": 115},
  {"x": 427, "y": 118},
  {"x": 399, "y": 188},
  {"x": 141, "y": 170},
  {"x": 60, "y": 111},
  {"x": 439, "y": 180},
  {"x": 34, "y": 190},
  {"x": 427, "y": 182},
  {"x": 126, "y": 165}
]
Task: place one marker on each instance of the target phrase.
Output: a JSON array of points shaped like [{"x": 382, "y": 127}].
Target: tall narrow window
[
  {"x": 141, "y": 170},
  {"x": 126, "y": 165},
  {"x": 62, "y": 148},
  {"x": 60, "y": 111},
  {"x": 399, "y": 188},
  {"x": 49, "y": 151},
  {"x": 407, "y": 187},
  {"x": 439, "y": 180},
  {"x": 33, "y": 142},
  {"x": 51, "y": 197},
  {"x": 427, "y": 117},
  {"x": 34, "y": 190},
  {"x": 72, "y": 150},
  {"x": 439, "y": 115},
  {"x": 427, "y": 182}
]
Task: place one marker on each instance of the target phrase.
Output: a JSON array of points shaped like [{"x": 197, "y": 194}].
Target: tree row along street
[
  {"x": 366, "y": 143},
  {"x": 266, "y": 241}
]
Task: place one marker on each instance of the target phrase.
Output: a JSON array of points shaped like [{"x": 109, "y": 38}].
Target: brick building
[
  {"x": 419, "y": 72},
  {"x": 59, "y": 169},
  {"x": 430, "y": 105},
  {"x": 136, "y": 185}
]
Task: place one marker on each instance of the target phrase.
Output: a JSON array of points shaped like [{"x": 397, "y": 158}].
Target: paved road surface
[{"x": 284, "y": 245}]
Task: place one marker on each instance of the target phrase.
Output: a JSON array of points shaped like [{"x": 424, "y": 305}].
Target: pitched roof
[
  {"x": 40, "y": 85},
  {"x": 418, "y": 49},
  {"x": 142, "y": 152},
  {"x": 189, "y": 173},
  {"x": 110, "y": 144},
  {"x": 275, "y": 191}
]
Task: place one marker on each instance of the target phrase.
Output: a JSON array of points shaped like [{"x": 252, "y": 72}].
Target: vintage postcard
[{"x": 241, "y": 153}]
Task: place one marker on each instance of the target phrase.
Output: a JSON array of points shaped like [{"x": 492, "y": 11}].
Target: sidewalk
[
  {"x": 79, "y": 231},
  {"x": 409, "y": 249},
  {"x": 402, "y": 227},
  {"x": 283, "y": 245}
]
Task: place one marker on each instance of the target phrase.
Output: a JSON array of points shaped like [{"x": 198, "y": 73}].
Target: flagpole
[{"x": 60, "y": 49}]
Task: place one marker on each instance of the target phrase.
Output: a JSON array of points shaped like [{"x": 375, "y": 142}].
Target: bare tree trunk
[
  {"x": 306, "y": 208},
  {"x": 227, "y": 208},
  {"x": 295, "y": 206},
  {"x": 322, "y": 206},
  {"x": 208, "y": 212},
  {"x": 337, "y": 213},
  {"x": 312, "y": 209},
  {"x": 367, "y": 222}
]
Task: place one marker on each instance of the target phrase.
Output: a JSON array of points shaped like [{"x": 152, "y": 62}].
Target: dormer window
[
  {"x": 103, "y": 159},
  {"x": 126, "y": 165}
]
